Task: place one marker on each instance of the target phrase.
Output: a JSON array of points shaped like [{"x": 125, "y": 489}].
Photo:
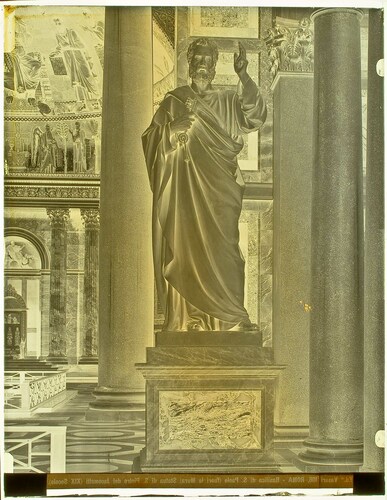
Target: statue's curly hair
[{"x": 203, "y": 42}]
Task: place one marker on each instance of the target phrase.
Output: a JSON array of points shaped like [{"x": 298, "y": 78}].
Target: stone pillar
[
  {"x": 293, "y": 160},
  {"x": 90, "y": 287},
  {"x": 58, "y": 284},
  {"x": 126, "y": 271},
  {"x": 336, "y": 329},
  {"x": 374, "y": 254}
]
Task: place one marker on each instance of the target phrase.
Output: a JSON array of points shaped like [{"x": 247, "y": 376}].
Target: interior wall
[{"x": 35, "y": 288}]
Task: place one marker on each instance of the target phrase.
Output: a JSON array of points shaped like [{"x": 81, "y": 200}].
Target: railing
[
  {"x": 22, "y": 448},
  {"x": 12, "y": 376},
  {"x": 27, "y": 390}
]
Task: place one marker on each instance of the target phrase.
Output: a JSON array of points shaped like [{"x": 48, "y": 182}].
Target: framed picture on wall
[{"x": 217, "y": 21}]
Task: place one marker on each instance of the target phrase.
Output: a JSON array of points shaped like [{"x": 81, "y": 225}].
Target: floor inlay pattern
[{"x": 106, "y": 446}]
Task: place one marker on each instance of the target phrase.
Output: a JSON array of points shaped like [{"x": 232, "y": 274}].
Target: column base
[
  {"x": 116, "y": 405},
  {"x": 330, "y": 453},
  {"x": 88, "y": 360}
]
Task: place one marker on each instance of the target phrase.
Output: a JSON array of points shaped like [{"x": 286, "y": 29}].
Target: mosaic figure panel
[{"x": 53, "y": 71}]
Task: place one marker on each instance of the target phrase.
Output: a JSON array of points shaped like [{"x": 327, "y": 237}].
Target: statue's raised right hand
[{"x": 182, "y": 123}]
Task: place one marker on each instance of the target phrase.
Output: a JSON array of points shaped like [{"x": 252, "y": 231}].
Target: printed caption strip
[{"x": 75, "y": 481}]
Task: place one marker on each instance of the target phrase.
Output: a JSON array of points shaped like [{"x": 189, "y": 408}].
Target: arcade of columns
[{"x": 59, "y": 219}]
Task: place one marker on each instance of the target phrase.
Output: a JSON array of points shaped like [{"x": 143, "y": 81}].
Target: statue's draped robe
[{"x": 199, "y": 268}]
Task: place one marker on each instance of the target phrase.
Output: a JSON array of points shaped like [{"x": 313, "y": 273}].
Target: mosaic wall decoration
[
  {"x": 52, "y": 147},
  {"x": 53, "y": 72}
]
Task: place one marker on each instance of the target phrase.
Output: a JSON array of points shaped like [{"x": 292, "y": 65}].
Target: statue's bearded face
[{"x": 202, "y": 66}]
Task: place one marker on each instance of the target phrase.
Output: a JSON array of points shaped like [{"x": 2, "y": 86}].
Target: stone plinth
[{"x": 209, "y": 404}]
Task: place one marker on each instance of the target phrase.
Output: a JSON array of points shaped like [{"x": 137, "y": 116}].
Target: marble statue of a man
[{"x": 191, "y": 150}]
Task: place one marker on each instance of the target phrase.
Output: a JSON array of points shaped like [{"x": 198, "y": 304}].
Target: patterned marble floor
[
  {"x": 111, "y": 447},
  {"x": 90, "y": 446}
]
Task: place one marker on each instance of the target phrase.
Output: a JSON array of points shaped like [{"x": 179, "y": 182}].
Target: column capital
[
  {"x": 58, "y": 216},
  {"x": 90, "y": 218},
  {"x": 290, "y": 47},
  {"x": 335, "y": 10}
]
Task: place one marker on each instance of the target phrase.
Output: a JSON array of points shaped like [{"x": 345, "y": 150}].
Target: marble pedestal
[{"x": 209, "y": 403}]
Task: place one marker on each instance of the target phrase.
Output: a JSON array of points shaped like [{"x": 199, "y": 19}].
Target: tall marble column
[
  {"x": 126, "y": 272},
  {"x": 58, "y": 284},
  {"x": 90, "y": 287},
  {"x": 374, "y": 252},
  {"x": 336, "y": 328}
]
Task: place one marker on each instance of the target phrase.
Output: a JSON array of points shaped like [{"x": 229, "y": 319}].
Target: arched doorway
[
  {"x": 25, "y": 258},
  {"x": 15, "y": 323}
]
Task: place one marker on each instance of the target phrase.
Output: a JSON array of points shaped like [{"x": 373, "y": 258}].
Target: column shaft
[
  {"x": 90, "y": 286},
  {"x": 58, "y": 284},
  {"x": 336, "y": 329},
  {"x": 126, "y": 273},
  {"x": 374, "y": 254}
]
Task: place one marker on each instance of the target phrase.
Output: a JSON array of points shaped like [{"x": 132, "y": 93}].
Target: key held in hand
[{"x": 183, "y": 138}]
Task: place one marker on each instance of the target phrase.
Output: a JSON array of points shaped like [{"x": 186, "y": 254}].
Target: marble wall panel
[
  {"x": 45, "y": 309},
  {"x": 258, "y": 215},
  {"x": 80, "y": 318},
  {"x": 72, "y": 317},
  {"x": 74, "y": 256}
]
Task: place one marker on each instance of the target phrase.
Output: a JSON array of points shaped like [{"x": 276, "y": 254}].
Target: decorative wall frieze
[
  {"x": 43, "y": 118},
  {"x": 90, "y": 218},
  {"x": 290, "y": 48},
  {"x": 51, "y": 193},
  {"x": 53, "y": 177}
]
